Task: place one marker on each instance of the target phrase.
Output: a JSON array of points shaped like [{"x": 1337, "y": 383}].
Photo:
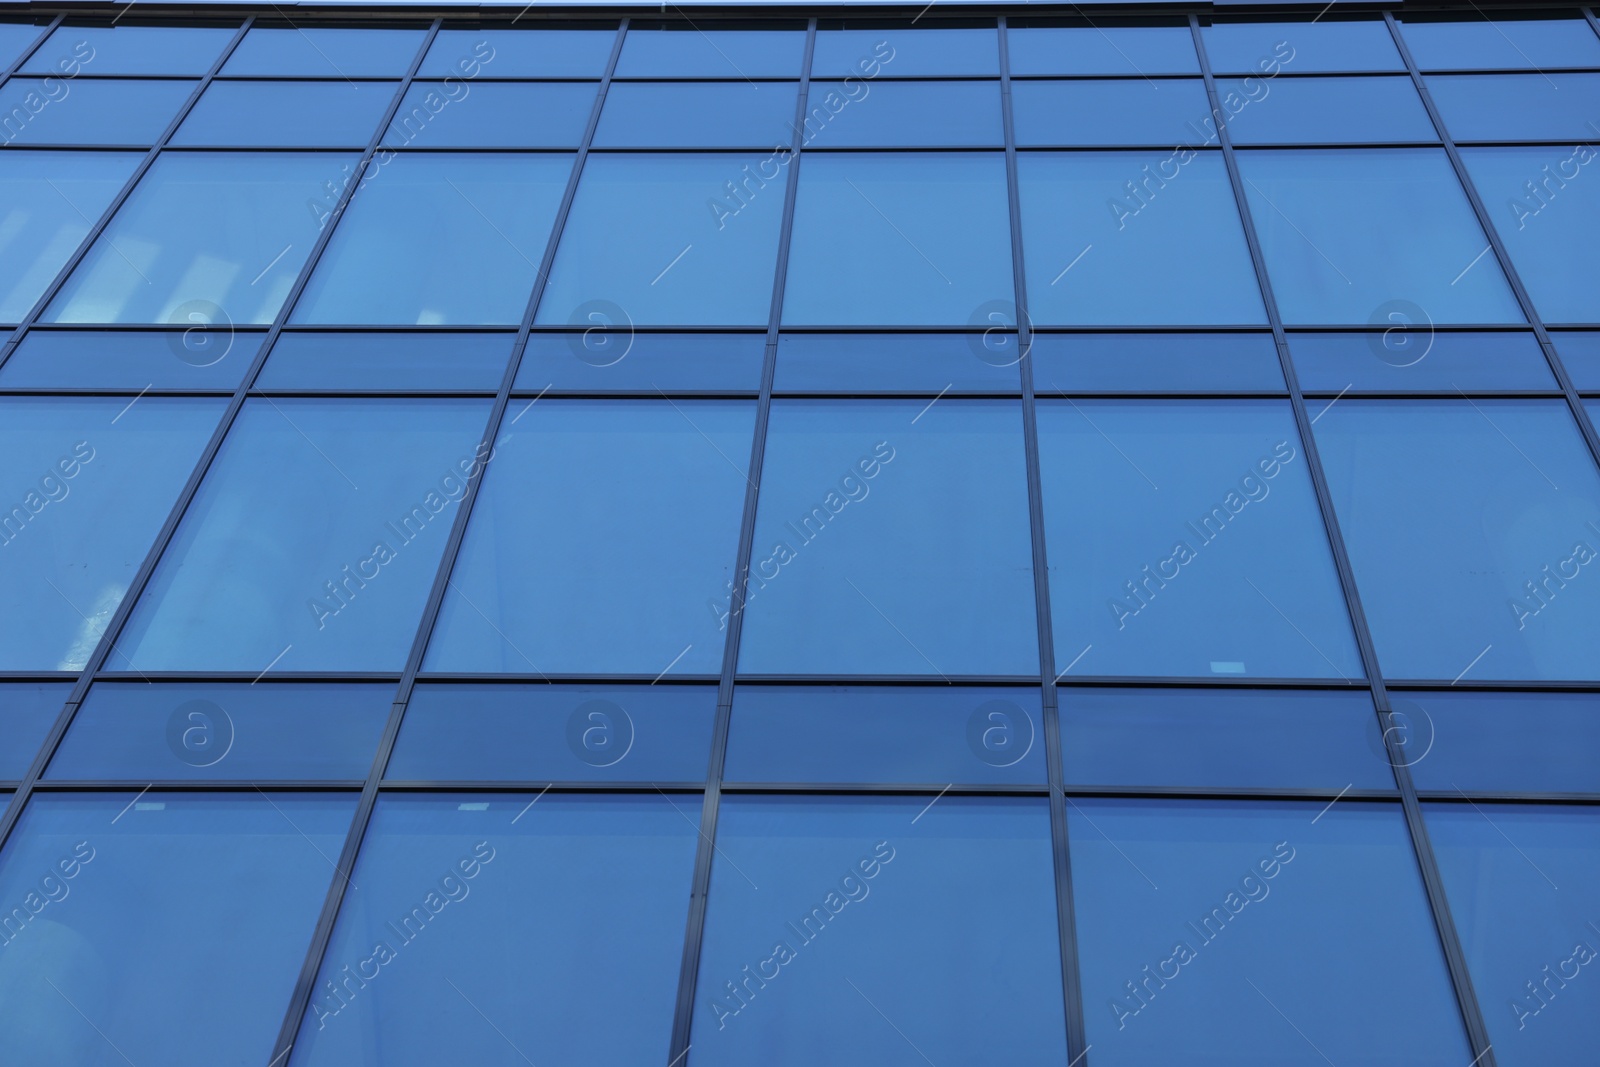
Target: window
[
  {"x": 1512, "y": 107},
  {"x": 1155, "y": 363},
  {"x": 372, "y": 361},
  {"x": 1102, "y": 49},
  {"x": 683, "y": 50},
  {"x": 1481, "y": 42},
  {"x": 898, "y": 363},
  {"x": 174, "y": 50},
  {"x": 903, "y": 114},
  {"x": 1487, "y": 742},
  {"x": 610, "y": 357},
  {"x": 541, "y": 53},
  {"x": 1321, "y": 45},
  {"x": 318, "y": 52},
  {"x": 27, "y": 712},
  {"x": 1325, "y": 110},
  {"x": 1411, "y": 356},
  {"x": 88, "y": 111},
  {"x": 332, "y": 114},
  {"x": 15, "y": 37},
  {"x": 697, "y": 115},
  {"x": 1084, "y": 112},
  {"x": 207, "y": 355},
  {"x": 453, "y": 114},
  {"x": 896, "y": 51}
]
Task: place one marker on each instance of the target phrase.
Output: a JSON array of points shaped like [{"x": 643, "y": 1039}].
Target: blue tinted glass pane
[
  {"x": 862, "y": 565},
  {"x": 1213, "y": 560},
  {"x": 1580, "y": 354},
  {"x": 1102, "y": 49},
  {"x": 1310, "y": 110},
  {"x": 129, "y": 50},
  {"x": 899, "y": 362},
  {"x": 537, "y": 53},
  {"x": 886, "y": 734},
  {"x": 369, "y": 361},
  {"x": 1267, "y": 47},
  {"x": 1155, "y": 362},
  {"x": 1350, "y": 234},
  {"x": 561, "y": 523},
  {"x": 1222, "y": 739},
  {"x": 91, "y": 111},
  {"x": 526, "y": 972},
  {"x": 1470, "y": 553},
  {"x": 50, "y": 200},
  {"x": 906, "y": 238},
  {"x": 494, "y": 115},
  {"x": 558, "y": 733},
  {"x": 1478, "y": 42},
  {"x": 682, "y": 50},
  {"x": 1550, "y": 222},
  {"x": 911, "y": 114},
  {"x": 490, "y": 213},
  {"x": 128, "y": 957},
  {"x": 767, "y": 979},
  {"x": 1100, "y": 254},
  {"x": 1503, "y": 742},
  {"x": 1517, "y": 106},
  {"x": 88, "y": 483},
  {"x": 15, "y": 37},
  {"x": 697, "y": 115},
  {"x": 682, "y": 265},
  {"x": 27, "y": 711},
  {"x": 1522, "y": 880},
  {"x": 326, "y": 53},
  {"x": 611, "y": 357},
  {"x": 331, "y": 114},
  {"x": 166, "y": 731},
  {"x": 1412, "y": 355},
  {"x": 342, "y": 509},
  {"x": 898, "y": 52},
  {"x": 1181, "y": 950},
  {"x": 1110, "y": 112},
  {"x": 222, "y": 234},
  {"x": 202, "y": 357}
]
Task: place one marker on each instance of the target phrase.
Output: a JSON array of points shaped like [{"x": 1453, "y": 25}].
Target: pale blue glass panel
[
  {"x": 896, "y": 51},
  {"x": 453, "y": 114},
  {"x": 1320, "y": 45},
  {"x": 209, "y": 356},
  {"x": 1489, "y": 742},
  {"x": 519, "y": 53},
  {"x": 27, "y": 711},
  {"x": 1580, "y": 354},
  {"x": 330, "y": 114},
  {"x": 15, "y": 37},
  {"x": 1510, "y": 107},
  {"x": 697, "y": 115},
  {"x": 920, "y": 114},
  {"x": 365, "y": 362},
  {"x": 1102, "y": 49},
  {"x": 314, "y": 539},
  {"x": 219, "y": 233},
  {"x": 320, "y": 52},
  {"x": 88, "y": 112},
  {"x": 1477, "y": 41},
  {"x": 684, "y": 50},
  {"x": 129, "y": 50},
  {"x": 1155, "y": 363},
  {"x": 1103, "y": 112},
  {"x": 1324, "y": 110}
]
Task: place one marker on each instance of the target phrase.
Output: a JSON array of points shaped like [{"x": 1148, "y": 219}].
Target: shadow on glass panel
[{"x": 210, "y": 354}]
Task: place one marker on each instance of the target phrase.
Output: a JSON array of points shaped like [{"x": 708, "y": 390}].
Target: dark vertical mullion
[
  {"x": 1433, "y": 882},
  {"x": 699, "y": 893},
  {"x": 1071, "y": 982},
  {"x": 323, "y": 935}
]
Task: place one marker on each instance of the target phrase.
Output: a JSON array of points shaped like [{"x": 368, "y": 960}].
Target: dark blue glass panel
[
  {"x": 331, "y": 114},
  {"x": 885, "y": 873},
  {"x": 224, "y": 730},
  {"x": 1155, "y": 362},
  {"x": 683, "y": 50},
  {"x": 1100, "y": 229},
  {"x": 1580, "y": 355},
  {"x": 556, "y": 733},
  {"x": 1471, "y": 553},
  {"x": 900, "y": 362},
  {"x": 15, "y": 37},
  {"x": 1251, "y": 930},
  {"x": 1508, "y": 107},
  {"x": 88, "y": 112},
  {"x": 88, "y": 483},
  {"x": 1480, "y": 42},
  {"x": 611, "y": 357},
  {"x": 1320, "y": 45},
  {"x": 1522, "y": 880},
  {"x": 1222, "y": 739},
  {"x": 319, "y": 52},
  {"x": 206, "y": 356},
  {"x": 897, "y": 51},
  {"x": 905, "y": 238},
  {"x": 886, "y": 734},
  {"x": 701, "y": 248},
  {"x": 1079, "y": 112},
  {"x": 50, "y": 201},
  {"x": 1351, "y": 234},
  {"x": 341, "y": 509},
  {"x": 164, "y": 258},
  {"x": 620, "y": 520},
  {"x": 1502, "y": 742},
  {"x": 106, "y": 958},
  {"x": 370, "y": 361},
  {"x": 1102, "y": 49},
  {"x": 27, "y": 711},
  {"x": 1549, "y": 218},
  {"x": 854, "y": 114},
  {"x": 1311, "y": 110},
  {"x": 863, "y": 564},
  {"x": 531, "y": 53},
  {"x": 697, "y": 115},
  {"x": 1413, "y": 356},
  {"x": 488, "y": 930},
  {"x": 129, "y": 50},
  {"x": 453, "y": 114},
  {"x": 492, "y": 212},
  {"x": 1209, "y": 556}
]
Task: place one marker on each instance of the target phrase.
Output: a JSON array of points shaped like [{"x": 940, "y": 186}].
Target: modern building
[{"x": 707, "y": 534}]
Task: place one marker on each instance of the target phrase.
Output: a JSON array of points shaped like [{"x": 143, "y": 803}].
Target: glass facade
[{"x": 1043, "y": 535}]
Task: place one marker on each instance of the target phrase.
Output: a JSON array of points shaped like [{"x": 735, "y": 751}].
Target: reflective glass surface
[
  {"x": 1323, "y": 44},
  {"x": 683, "y": 50},
  {"x": 331, "y": 114},
  {"x": 1479, "y": 41},
  {"x": 27, "y": 711},
  {"x": 1482, "y": 107},
  {"x": 89, "y": 111},
  {"x": 320, "y": 52},
  {"x": 452, "y": 114},
  {"x": 1085, "y": 112},
  {"x": 697, "y": 115},
  {"x": 898, "y": 51},
  {"x": 129, "y": 49},
  {"x": 1324, "y": 110},
  {"x": 519, "y": 53},
  {"x": 1108, "y": 49}
]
